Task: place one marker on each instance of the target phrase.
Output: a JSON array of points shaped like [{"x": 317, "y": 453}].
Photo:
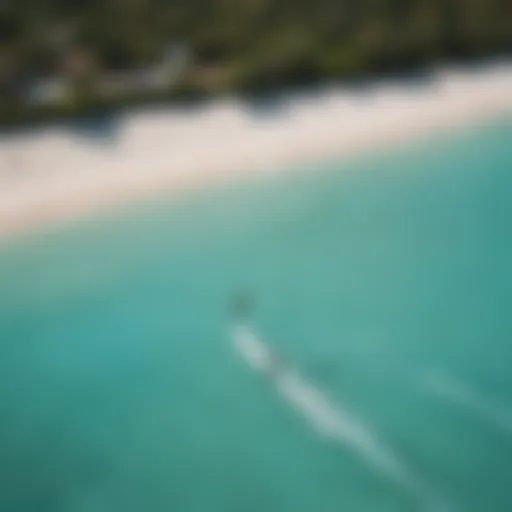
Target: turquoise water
[{"x": 386, "y": 281}]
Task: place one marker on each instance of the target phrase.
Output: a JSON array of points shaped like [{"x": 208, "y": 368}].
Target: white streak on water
[
  {"x": 330, "y": 420},
  {"x": 466, "y": 396}
]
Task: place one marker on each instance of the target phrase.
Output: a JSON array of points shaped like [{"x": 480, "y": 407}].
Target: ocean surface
[{"x": 382, "y": 282}]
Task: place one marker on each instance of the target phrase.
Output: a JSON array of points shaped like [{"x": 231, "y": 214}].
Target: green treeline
[{"x": 241, "y": 44}]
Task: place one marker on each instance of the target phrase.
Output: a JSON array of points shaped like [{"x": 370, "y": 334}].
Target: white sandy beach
[{"x": 55, "y": 174}]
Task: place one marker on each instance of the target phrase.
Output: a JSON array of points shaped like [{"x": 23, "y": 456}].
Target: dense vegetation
[{"x": 242, "y": 44}]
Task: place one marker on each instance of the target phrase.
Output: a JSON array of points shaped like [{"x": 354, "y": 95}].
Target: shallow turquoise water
[{"x": 385, "y": 280}]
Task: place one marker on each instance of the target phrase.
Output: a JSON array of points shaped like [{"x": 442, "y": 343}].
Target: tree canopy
[{"x": 252, "y": 43}]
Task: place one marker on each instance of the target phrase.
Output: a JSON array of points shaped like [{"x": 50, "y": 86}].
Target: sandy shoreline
[{"x": 54, "y": 175}]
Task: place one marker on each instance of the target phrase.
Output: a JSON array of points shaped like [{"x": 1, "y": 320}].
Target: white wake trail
[
  {"x": 466, "y": 396},
  {"x": 330, "y": 420}
]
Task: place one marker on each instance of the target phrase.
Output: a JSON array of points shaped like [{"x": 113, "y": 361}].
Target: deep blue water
[{"x": 386, "y": 280}]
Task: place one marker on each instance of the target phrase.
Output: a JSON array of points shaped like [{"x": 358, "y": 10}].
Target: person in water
[
  {"x": 241, "y": 308},
  {"x": 242, "y": 305}
]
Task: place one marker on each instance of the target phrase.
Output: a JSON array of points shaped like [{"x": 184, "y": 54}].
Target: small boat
[{"x": 247, "y": 343}]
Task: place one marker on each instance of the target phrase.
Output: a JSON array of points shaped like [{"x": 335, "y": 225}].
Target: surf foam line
[
  {"x": 464, "y": 395},
  {"x": 330, "y": 420}
]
